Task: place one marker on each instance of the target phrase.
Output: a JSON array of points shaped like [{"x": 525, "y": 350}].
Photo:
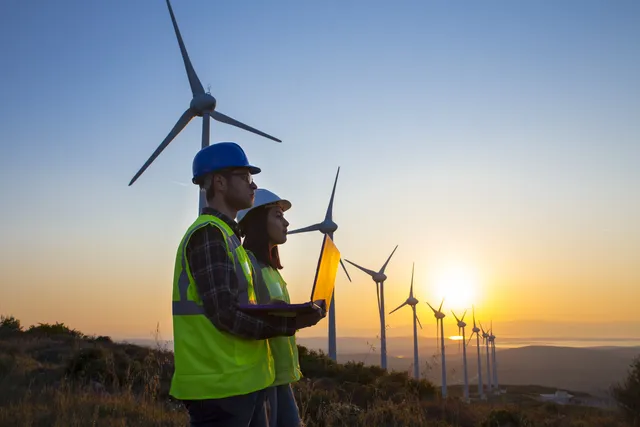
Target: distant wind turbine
[
  {"x": 412, "y": 301},
  {"x": 461, "y": 326},
  {"x": 485, "y": 339},
  {"x": 203, "y": 104},
  {"x": 476, "y": 331},
  {"x": 492, "y": 340},
  {"x": 379, "y": 278},
  {"x": 327, "y": 226},
  {"x": 439, "y": 315}
]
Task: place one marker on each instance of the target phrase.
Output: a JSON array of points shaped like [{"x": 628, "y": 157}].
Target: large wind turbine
[
  {"x": 461, "y": 326},
  {"x": 412, "y": 301},
  {"x": 203, "y": 104},
  {"x": 327, "y": 226},
  {"x": 485, "y": 339},
  {"x": 439, "y": 315},
  {"x": 379, "y": 278},
  {"x": 476, "y": 331}
]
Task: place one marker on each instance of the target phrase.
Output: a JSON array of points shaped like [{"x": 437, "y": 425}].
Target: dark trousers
[
  {"x": 248, "y": 410},
  {"x": 283, "y": 409}
]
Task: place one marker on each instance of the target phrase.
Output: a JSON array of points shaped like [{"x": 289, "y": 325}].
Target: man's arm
[{"x": 217, "y": 285}]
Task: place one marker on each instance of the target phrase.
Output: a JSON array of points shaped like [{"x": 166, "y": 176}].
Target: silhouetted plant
[
  {"x": 9, "y": 325},
  {"x": 627, "y": 393}
]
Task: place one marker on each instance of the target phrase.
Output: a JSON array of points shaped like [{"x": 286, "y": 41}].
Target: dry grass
[{"x": 53, "y": 376}]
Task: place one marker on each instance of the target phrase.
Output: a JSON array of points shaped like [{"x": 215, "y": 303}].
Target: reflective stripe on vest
[{"x": 185, "y": 307}]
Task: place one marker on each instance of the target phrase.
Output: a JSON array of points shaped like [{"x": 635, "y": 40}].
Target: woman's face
[{"x": 276, "y": 225}]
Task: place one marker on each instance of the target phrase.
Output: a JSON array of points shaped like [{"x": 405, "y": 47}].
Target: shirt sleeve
[{"x": 217, "y": 284}]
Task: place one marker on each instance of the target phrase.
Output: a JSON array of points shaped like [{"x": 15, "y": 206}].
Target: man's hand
[{"x": 310, "y": 319}]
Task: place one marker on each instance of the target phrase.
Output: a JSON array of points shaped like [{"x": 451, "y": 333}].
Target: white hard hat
[{"x": 264, "y": 197}]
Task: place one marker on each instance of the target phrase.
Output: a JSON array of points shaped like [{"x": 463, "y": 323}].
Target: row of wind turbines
[
  {"x": 203, "y": 104},
  {"x": 329, "y": 227}
]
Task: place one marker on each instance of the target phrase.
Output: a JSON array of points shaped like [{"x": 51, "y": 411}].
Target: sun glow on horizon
[{"x": 458, "y": 286}]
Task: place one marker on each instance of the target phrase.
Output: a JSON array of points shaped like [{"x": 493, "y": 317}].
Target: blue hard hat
[{"x": 220, "y": 156}]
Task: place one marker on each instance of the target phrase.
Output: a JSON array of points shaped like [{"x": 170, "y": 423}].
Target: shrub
[
  {"x": 9, "y": 325},
  {"x": 505, "y": 418},
  {"x": 627, "y": 393},
  {"x": 58, "y": 329}
]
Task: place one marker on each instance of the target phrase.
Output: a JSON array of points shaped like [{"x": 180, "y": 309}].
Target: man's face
[{"x": 240, "y": 189}]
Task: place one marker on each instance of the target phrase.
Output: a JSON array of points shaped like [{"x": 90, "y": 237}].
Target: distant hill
[{"x": 590, "y": 370}]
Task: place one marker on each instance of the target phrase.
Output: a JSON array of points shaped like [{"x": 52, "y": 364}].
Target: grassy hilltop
[{"x": 51, "y": 375}]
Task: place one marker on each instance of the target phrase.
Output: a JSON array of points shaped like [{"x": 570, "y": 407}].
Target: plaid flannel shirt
[{"x": 217, "y": 284}]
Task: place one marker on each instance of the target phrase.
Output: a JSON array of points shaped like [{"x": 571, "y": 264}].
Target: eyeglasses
[{"x": 245, "y": 176}]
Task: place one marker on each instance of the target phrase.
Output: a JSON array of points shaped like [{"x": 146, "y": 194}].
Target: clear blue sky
[{"x": 503, "y": 137}]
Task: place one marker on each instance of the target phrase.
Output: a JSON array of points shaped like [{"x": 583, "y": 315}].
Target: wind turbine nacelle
[
  {"x": 328, "y": 227},
  {"x": 476, "y": 330},
  {"x": 461, "y": 324},
  {"x": 379, "y": 277},
  {"x": 412, "y": 301},
  {"x": 203, "y": 102}
]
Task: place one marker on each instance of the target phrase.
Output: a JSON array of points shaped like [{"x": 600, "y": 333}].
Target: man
[{"x": 223, "y": 363}]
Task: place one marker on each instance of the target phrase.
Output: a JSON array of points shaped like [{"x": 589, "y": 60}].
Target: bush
[
  {"x": 58, "y": 329},
  {"x": 627, "y": 393},
  {"x": 505, "y": 418},
  {"x": 9, "y": 325}
]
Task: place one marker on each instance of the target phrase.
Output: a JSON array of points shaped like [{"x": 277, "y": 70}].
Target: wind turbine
[
  {"x": 492, "y": 340},
  {"x": 461, "y": 326},
  {"x": 476, "y": 331},
  {"x": 379, "y": 277},
  {"x": 203, "y": 104},
  {"x": 412, "y": 301},
  {"x": 485, "y": 339},
  {"x": 439, "y": 315},
  {"x": 327, "y": 226}
]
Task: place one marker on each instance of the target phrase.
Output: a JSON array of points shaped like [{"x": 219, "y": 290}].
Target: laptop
[{"x": 321, "y": 291}]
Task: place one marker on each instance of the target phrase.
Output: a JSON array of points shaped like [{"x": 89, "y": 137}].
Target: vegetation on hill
[{"x": 51, "y": 375}]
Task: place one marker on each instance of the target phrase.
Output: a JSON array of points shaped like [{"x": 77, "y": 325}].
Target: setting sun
[{"x": 457, "y": 285}]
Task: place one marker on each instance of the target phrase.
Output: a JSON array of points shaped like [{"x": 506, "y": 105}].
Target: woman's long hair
[{"x": 256, "y": 238}]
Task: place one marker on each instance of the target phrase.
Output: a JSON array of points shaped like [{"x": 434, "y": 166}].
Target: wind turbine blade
[
  {"x": 463, "y": 314},
  {"x": 400, "y": 306},
  {"x": 387, "y": 262},
  {"x": 228, "y": 120},
  {"x": 194, "y": 81},
  {"x": 180, "y": 124},
  {"x": 474, "y": 316},
  {"x": 329, "y": 214},
  {"x": 457, "y": 320},
  {"x": 345, "y": 270},
  {"x": 434, "y": 310},
  {"x": 411, "y": 288},
  {"x": 366, "y": 270},
  {"x": 314, "y": 227},
  {"x": 418, "y": 319},
  {"x": 440, "y": 308},
  {"x": 470, "y": 336}
]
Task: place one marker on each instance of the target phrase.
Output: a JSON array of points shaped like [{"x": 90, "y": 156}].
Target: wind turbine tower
[
  {"x": 379, "y": 278},
  {"x": 461, "y": 326},
  {"x": 485, "y": 339},
  {"x": 492, "y": 340},
  {"x": 476, "y": 331},
  {"x": 328, "y": 227},
  {"x": 203, "y": 104},
  {"x": 439, "y": 315},
  {"x": 412, "y": 301}
]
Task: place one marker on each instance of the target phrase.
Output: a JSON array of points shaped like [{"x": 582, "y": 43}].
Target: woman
[{"x": 264, "y": 228}]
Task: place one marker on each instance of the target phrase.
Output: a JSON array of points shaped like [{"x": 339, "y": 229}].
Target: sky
[{"x": 496, "y": 141}]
